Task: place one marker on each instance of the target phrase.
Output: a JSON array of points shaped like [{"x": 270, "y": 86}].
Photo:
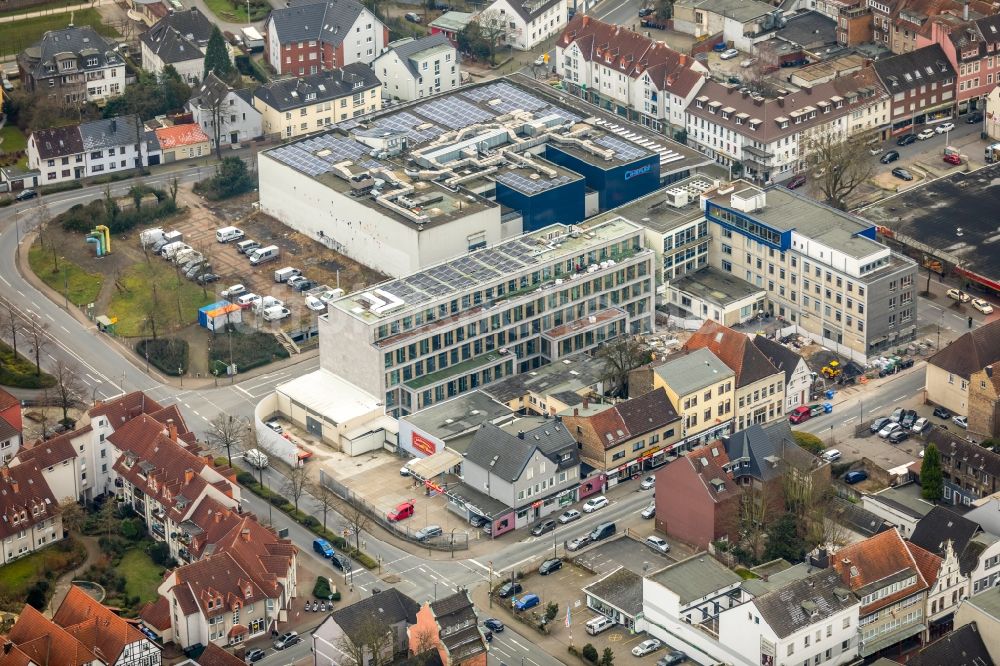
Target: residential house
[
  {"x": 82, "y": 631},
  {"x": 10, "y": 409},
  {"x": 772, "y": 137},
  {"x": 451, "y": 626},
  {"x": 965, "y": 646},
  {"x": 798, "y": 377},
  {"x": 899, "y": 25},
  {"x": 533, "y": 470},
  {"x": 526, "y": 24},
  {"x": 892, "y": 585},
  {"x": 178, "y": 39},
  {"x": 214, "y": 656},
  {"x": 950, "y": 537},
  {"x": 72, "y": 66},
  {"x": 89, "y": 149},
  {"x": 450, "y": 24},
  {"x": 308, "y": 36},
  {"x": 853, "y": 17},
  {"x": 921, "y": 84},
  {"x": 10, "y": 426},
  {"x": 389, "y": 609},
  {"x": 627, "y": 73},
  {"x": 742, "y": 23},
  {"x": 617, "y": 596},
  {"x": 972, "y": 51},
  {"x": 950, "y": 373},
  {"x": 628, "y": 437},
  {"x": 295, "y": 107},
  {"x": 983, "y": 612},
  {"x": 224, "y": 114},
  {"x": 29, "y": 511},
  {"x": 417, "y": 68},
  {"x": 702, "y": 389},
  {"x": 760, "y": 387},
  {"x": 60, "y": 464},
  {"x": 805, "y": 620},
  {"x": 182, "y": 142},
  {"x": 241, "y": 590},
  {"x": 970, "y": 471}
]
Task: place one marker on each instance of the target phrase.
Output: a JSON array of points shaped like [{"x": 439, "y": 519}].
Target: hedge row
[{"x": 167, "y": 354}]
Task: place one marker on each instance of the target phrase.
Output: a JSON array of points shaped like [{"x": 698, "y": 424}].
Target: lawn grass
[
  {"x": 13, "y": 139},
  {"x": 177, "y": 299},
  {"x": 16, "y": 36},
  {"x": 142, "y": 575},
  {"x": 83, "y": 286},
  {"x": 50, "y": 562},
  {"x": 18, "y": 370},
  {"x": 225, "y": 10},
  {"x": 55, "y": 4}
]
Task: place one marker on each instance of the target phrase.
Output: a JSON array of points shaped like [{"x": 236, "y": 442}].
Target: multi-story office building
[
  {"x": 823, "y": 270},
  {"x": 470, "y": 321}
]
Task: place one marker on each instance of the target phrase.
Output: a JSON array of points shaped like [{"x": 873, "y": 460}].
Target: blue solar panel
[
  {"x": 453, "y": 112},
  {"x": 624, "y": 150}
]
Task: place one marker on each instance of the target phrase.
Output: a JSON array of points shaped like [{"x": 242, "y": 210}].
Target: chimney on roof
[
  {"x": 781, "y": 101},
  {"x": 188, "y": 476},
  {"x": 7, "y": 645},
  {"x": 520, "y": 434},
  {"x": 218, "y": 517},
  {"x": 586, "y": 402},
  {"x": 245, "y": 535},
  {"x": 15, "y": 486},
  {"x": 576, "y": 411},
  {"x": 5, "y": 473},
  {"x": 172, "y": 430},
  {"x": 98, "y": 403},
  {"x": 586, "y": 20},
  {"x": 965, "y": 10},
  {"x": 684, "y": 59}
]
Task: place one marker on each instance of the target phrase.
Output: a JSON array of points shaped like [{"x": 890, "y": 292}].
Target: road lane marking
[
  {"x": 242, "y": 390},
  {"x": 51, "y": 318},
  {"x": 5, "y": 281},
  {"x": 613, "y": 10},
  {"x": 902, "y": 397},
  {"x": 65, "y": 329}
]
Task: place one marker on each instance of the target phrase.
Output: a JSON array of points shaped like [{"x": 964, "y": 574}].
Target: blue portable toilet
[
  {"x": 829, "y": 394},
  {"x": 827, "y": 407}
]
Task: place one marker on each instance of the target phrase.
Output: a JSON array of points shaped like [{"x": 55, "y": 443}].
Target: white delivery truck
[
  {"x": 282, "y": 274},
  {"x": 150, "y": 237},
  {"x": 252, "y": 38}
]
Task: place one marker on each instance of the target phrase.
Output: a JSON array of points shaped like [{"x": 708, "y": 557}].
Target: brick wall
[{"x": 984, "y": 405}]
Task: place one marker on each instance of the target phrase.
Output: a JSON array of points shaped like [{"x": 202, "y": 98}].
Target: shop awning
[{"x": 431, "y": 466}]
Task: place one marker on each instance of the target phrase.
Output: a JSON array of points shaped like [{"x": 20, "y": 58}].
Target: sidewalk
[
  {"x": 65, "y": 581},
  {"x": 58, "y": 10}
]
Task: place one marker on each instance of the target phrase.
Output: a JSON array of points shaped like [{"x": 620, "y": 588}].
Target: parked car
[
  {"x": 526, "y": 602},
  {"x": 578, "y": 542},
  {"x": 649, "y": 511},
  {"x": 315, "y": 304},
  {"x": 428, "y": 532},
  {"x": 796, "y": 181},
  {"x": 543, "y": 527},
  {"x": 897, "y": 415},
  {"x": 400, "y": 512},
  {"x": 509, "y": 589},
  {"x": 831, "y": 455},
  {"x": 909, "y": 418},
  {"x": 673, "y": 658},
  {"x": 24, "y": 195},
  {"x": 898, "y": 436},
  {"x": 800, "y": 414},
  {"x": 206, "y": 278},
  {"x": 233, "y": 291},
  {"x": 295, "y": 279},
  {"x": 413, "y": 17},
  {"x": 648, "y": 646},
  {"x": 548, "y": 566},
  {"x": 856, "y": 476},
  {"x": 952, "y": 158},
  {"x": 888, "y": 430},
  {"x": 595, "y": 503},
  {"x": 878, "y": 424},
  {"x": 944, "y": 127},
  {"x": 942, "y": 413},
  {"x": 974, "y": 118},
  {"x": 477, "y": 521},
  {"x": 926, "y": 134},
  {"x": 889, "y": 157},
  {"x": 982, "y": 306},
  {"x": 729, "y": 54},
  {"x": 275, "y": 426},
  {"x": 648, "y": 482},
  {"x": 875, "y": 150},
  {"x": 959, "y": 295},
  {"x": 657, "y": 543},
  {"x": 921, "y": 424},
  {"x": 323, "y": 547},
  {"x": 749, "y": 62},
  {"x": 287, "y": 640},
  {"x": 569, "y": 516},
  {"x": 539, "y": 61},
  {"x": 906, "y": 139},
  {"x": 960, "y": 421},
  {"x": 493, "y": 625},
  {"x": 255, "y": 655},
  {"x": 645, "y": 11},
  {"x": 902, "y": 174}
]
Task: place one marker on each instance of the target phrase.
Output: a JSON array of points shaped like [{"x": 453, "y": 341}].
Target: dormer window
[
  {"x": 698, "y": 103},
  {"x": 249, "y": 592},
  {"x": 91, "y": 62}
]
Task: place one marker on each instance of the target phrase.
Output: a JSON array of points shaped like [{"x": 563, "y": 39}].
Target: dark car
[
  {"x": 856, "y": 476},
  {"x": 942, "y": 413},
  {"x": 254, "y": 655},
  {"x": 879, "y": 423},
  {"x": 889, "y": 157},
  {"x": 509, "y": 589},
  {"x": 205, "y": 278},
  {"x": 899, "y": 436},
  {"x": 341, "y": 562},
  {"x": 974, "y": 118},
  {"x": 493, "y": 625},
  {"x": 542, "y": 528},
  {"x": 909, "y": 418},
  {"x": 645, "y": 11},
  {"x": 548, "y": 566},
  {"x": 906, "y": 139},
  {"x": 797, "y": 181},
  {"x": 304, "y": 285},
  {"x": 477, "y": 521},
  {"x": 902, "y": 173},
  {"x": 24, "y": 195},
  {"x": 673, "y": 658},
  {"x": 287, "y": 640}
]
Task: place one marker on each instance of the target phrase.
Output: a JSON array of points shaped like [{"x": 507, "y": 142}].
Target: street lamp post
[{"x": 490, "y": 588}]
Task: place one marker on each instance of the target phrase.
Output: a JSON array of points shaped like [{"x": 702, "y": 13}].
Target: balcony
[{"x": 158, "y": 531}]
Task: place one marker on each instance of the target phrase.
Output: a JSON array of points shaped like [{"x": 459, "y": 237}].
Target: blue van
[
  {"x": 323, "y": 547},
  {"x": 527, "y": 601},
  {"x": 855, "y": 477}
]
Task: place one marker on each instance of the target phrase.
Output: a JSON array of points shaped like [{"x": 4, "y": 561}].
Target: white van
[
  {"x": 227, "y": 234},
  {"x": 269, "y": 253},
  {"x": 256, "y": 458},
  {"x": 276, "y": 313},
  {"x": 247, "y": 246},
  {"x": 597, "y": 624},
  {"x": 170, "y": 250},
  {"x": 248, "y": 300},
  {"x": 269, "y": 302},
  {"x": 282, "y": 274},
  {"x": 185, "y": 256}
]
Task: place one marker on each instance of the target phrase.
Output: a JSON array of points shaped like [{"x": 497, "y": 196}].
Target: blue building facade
[
  {"x": 563, "y": 203},
  {"x": 615, "y": 186}
]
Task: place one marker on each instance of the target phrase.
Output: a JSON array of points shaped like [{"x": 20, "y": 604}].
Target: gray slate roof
[
  {"x": 804, "y": 602},
  {"x": 962, "y": 647},
  {"x": 941, "y": 525},
  {"x": 414, "y": 47},
  {"x": 315, "y": 19},
  {"x": 529, "y": 10},
  {"x": 389, "y": 606},
  {"x": 622, "y": 588},
  {"x": 457, "y": 612},
  {"x": 698, "y": 576},
  {"x": 110, "y": 132},
  {"x": 58, "y": 141},
  {"x": 761, "y": 444},
  {"x": 693, "y": 371},
  {"x": 288, "y": 94},
  {"x": 179, "y": 36},
  {"x": 780, "y": 356},
  {"x": 512, "y": 453},
  {"x": 211, "y": 91},
  {"x": 906, "y": 71},
  {"x": 81, "y": 40},
  {"x": 857, "y": 518}
]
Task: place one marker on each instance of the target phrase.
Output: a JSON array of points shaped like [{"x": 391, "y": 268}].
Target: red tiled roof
[
  {"x": 14, "y": 657},
  {"x": 25, "y": 498},
  {"x": 48, "y": 453},
  {"x": 94, "y": 624},
  {"x": 180, "y": 135},
  {"x": 632, "y": 418},
  {"x": 735, "y": 349},
  {"x": 156, "y": 613},
  {"x": 216, "y": 656},
  {"x": 219, "y": 580},
  {"x": 46, "y": 643},
  {"x": 876, "y": 559},
  {"x": 632, "y": 54},
  {"x": 125, "y": 408},
  {"x": 7, "y": 400},
  {"x": 707, "y": 463},
  {"x": 928, "y": 563},
  {"x": 610, "y": 428}
]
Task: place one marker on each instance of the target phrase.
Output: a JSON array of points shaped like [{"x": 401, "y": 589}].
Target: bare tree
[
  {"x": 492, "y": 28},
  {"x": 424, "y": 640},
  {"x": 152, "y": 307},
  {"x": 844, "y": 165},
  {"x": 227, "y": 433},
  {"x": 621, "y": 356},
  {"x": 73, "y": 515},
  {"x": 756, "y": 77},
  {"x": 38, "y": 333},
  {"x": 295, "y": 485},
  {"x": 69, "y": 386},
  {"x": 174, "y": 186},
  {"x": 753, "y": 517},
  {"x": 325, "y": 497},
  {"x": 10, "y": 315},
  {"x": 214, "y": 92},
  {"x": 370, "y": 643},
  {"x": 357, "y": 520},
  {"x": 109, "y": 518}
]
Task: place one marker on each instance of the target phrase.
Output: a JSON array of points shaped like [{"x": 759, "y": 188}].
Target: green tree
[
  {"x": 621, "y": 356},
  {"x": 608, "y": 657},
  {"x": 589, "y": 652},
  {"x": 808, "y": 441},
  {"x": 931, "y": 478},
  {"x": 217, "y": 58},
  {"x": 150, "y": 96},
  {"x": 784, "y": 540},
  {"x": 551, "y": 611}
]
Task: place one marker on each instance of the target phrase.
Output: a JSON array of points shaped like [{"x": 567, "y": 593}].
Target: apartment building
[
  {"x": 72, "y": 66},
  {"x": 771, "y": 137},
  {"x": 471, "y": 321},
  {"x": 921, "y": 84},
  {"x": 305, "y": 37},
  {"x": 93, "y": 148},
  {"x": 822, "y": 269},
  {"x": 526, "y": 24},
  {"x": 627, "y": 73},
  {"x": 29, "y": 511},
  {"x": 899, "y": 25},
  {"x": 701, "y": 388},
  {"x": 298, "y": 106},
  {"x": 853, "y": 17},
  {"x": 798, "y": 376},
  {"x": 970, "y": 471},
  {"x": 179, "y": 40},
  {"x": 216, "y": 103},
  {"x": 973, "y": 51},
  {"x": 417, "y": 68}
]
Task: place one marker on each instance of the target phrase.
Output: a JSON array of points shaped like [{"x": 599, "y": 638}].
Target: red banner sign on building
[{"x": 423, "y": 444}]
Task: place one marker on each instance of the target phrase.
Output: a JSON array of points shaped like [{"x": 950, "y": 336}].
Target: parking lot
[{"x": 625, "y": 551}]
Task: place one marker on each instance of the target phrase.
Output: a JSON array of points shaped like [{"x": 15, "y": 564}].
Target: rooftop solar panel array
[
  {"x": 511, "y": 97},
  {"x": 624, "y": 150},
  {"x": 316, "y": 154},
  {"x": 530, "y": 185},
  {"x": 300, "y": 160},
  {"x": 404, "y": 121},
  {"x": 453, "y": 112}
]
